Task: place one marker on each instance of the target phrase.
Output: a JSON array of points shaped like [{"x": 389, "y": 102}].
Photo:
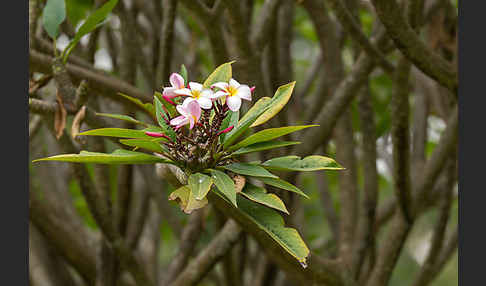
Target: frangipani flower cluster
[
  {"x": 209, "y": 150},
  {"x": 231, "y": 93}
]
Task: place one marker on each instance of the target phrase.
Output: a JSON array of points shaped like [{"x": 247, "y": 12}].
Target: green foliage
[
  {"x": 260, "y": 195},
  {"x": 279, "y": 100},
  {"x": 225, "y": 185},
  {"x": 200, "y": 185},
  {"x": 161, "y": 114},
  {"x": 118, "y": 156},
  {"x": 295, "y": 163},
  {"x": 91, "y": 23},
  {"x": 147, "y": 144},
  {"x": 116, "y": 132},
  {"x": 267, "y": 135},
  {"x": 264, "y": 146},
  {"x": 279, "y": 183},
  {"x": 53, "y": 15},
  {"x": 249, "y": 170},
  {"x": 187, "y": 200},
  {"x": 221, "y": 73},
  {"x": 123, "y": 117},
  {"x": 147, "y": 107},
  {"x": 77, "y": 10},
  {"x": 273, "y": 224}
]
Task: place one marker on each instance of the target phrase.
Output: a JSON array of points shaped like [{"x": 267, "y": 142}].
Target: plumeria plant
[{"x": 199, "y": 130}]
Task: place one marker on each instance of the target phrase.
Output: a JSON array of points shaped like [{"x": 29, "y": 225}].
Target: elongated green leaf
[
  {"x": 89, "y": 25},
  {"x": 116, "y": 132},
  {"x": 76, "y": 10},
  {"x": 186, "y": 199},
  {"x": 147, "y": 107},
  {"x": 267, "y": 135},
  {"x": 123, "y": 117},
  {"x": 160, "y": 114},
  {"x": 270, "y": 221},
  {"x": 184, "y": 73},
  {"x": 256, "y": 110},
  {"x": 295, "y": 163},
  {"x": 221, "y": 73},
  {"x": 279, "y": 183},
  {"x": 225, "y": 185},
  {"x": 53, "y": 15},
  {"x": 118, "y": 156},
  {"x": 230, "y": 119},
  {"x": 279, "y": 100},
  {"x": 249, "y": 170},
  {"x": 260, "y": 195},
  {"x": 148, "y": 144},
  {"x": 200, "y": 185},
  {"x": 168, "y": 107},
  {"x": 263, "y": 146}
]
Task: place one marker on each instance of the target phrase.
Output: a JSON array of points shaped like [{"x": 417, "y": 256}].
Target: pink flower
[
  {"x": 177, "y": 82},
  {"x": 234, "y": 93},
  {"x": 190, "y": 113},
  {"x": 197, "y": 92}
]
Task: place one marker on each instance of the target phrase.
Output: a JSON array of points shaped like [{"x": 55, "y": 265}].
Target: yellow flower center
[
  {"x": 231, "y": 90},
  {"x": 196, "y": 94}
]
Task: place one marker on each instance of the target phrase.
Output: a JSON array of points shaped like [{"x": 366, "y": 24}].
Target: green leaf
[
  {"x": 89, "y": 25},
  {"x": 200, "y": 185},
  {"x": 249, "y": 170},
  {"x": 148, "y": 144},
  {"x": 230, "y": 119},
  {"x": 272, "y": 223},
  {"x": 123, "y": 117},
  {"x": 117, "y": 132},
  {"x": 279, "y": 100},
  {"x": 295, "y": 163},
  {"x": 76, "y": 10},
  {"x": 263, "y": 146},
  {"x": 222, "y": 73},
  {"x": 184, "y": 73},
  {"x": 279, "y": 183},
  {"x": 225, "y": 185},
  {"x": 53, "y": 15},
  {"x": 147, "y": 107},
  {"x": 186, "y": 199},
  {"x": 267, "y": 135},
  {"x": 255, "y": 111},
  {"x": 169, "y": 107},
  {"x": 160, "y": 114},
  {"x": 119, "y": 156},
  {"x": 260, "y": 195}
]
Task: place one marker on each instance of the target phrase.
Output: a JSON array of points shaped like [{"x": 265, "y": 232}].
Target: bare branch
[
  {"x": 167, "y": 42},
  {"x": 412, "y": 47},
  {"x": 216, "y": 249}
]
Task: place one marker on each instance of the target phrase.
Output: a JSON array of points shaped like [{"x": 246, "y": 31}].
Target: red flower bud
[
  {"x": 157, "y": 135},
  {"x": 252, "y": 88},
  {"x": 168, "y": 99},
  {"x": 225, "y": 130}
]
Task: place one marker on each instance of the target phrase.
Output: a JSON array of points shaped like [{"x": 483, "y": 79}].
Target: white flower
[
  {"x": 190, "y": 113},
  {"x": 197, "y": 92},
  {"x": 234, "y": 93}
]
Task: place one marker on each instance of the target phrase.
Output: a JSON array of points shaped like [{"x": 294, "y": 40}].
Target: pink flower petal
[
  {"x": 194, "y": 109},
  {"x": 179, "y": 120},
  {"x": 233, "y": 102},
  {"x": 182, "y": 110},
  {"x": 176, "y": 80},
  {"x": 218, "y": 94},
  {"x": 252, "y": 89}
]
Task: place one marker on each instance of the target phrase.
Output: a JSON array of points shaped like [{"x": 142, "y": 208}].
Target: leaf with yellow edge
[
  {"x": 279, "y": 100},
  {"x": 222, "y": 73},
  {"x": 260, "y": 195},
  {"x": 267, "y": 135},
  {"x": 186, "y": 199},
  {"x": 295, "y": 163},
  {"x": 257, "y": 109}
]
